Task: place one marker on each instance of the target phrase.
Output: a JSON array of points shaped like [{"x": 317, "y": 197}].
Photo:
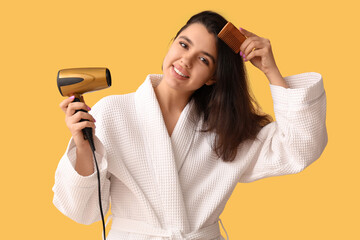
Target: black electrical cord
[
  {"x": 89, "y": 136},
  {"x": 88, "y": 133}
]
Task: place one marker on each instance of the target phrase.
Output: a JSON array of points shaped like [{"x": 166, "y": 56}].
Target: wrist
[
  {"x": 83, "y": 147},
  {"x": 273, "y": 72},
  {"x": 275, "y": 78}
]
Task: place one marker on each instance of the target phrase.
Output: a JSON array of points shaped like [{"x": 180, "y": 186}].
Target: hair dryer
[{"x": 77, "y": 81}]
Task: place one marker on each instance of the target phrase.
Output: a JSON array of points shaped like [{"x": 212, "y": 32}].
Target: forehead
[{"x": 200, "y": 37}]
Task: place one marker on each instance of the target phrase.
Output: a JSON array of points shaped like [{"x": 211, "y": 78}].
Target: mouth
[{"x": 179, "y": 72}]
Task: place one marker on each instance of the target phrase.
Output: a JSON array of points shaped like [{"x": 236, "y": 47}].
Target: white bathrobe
[{"x": 164, "y": 187}]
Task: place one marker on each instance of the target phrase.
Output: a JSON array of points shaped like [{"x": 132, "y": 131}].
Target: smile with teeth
[{"x": 180, "y": 73}]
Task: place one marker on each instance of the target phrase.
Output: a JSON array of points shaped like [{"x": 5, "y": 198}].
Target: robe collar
[{"x": 166, "y": 154}]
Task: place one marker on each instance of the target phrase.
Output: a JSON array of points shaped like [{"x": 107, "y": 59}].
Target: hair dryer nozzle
[{"x": 82, "y": 80}]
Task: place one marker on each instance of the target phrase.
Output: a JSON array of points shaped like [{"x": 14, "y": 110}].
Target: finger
[
  {"x": 246, "y": 43},
  {"x": 254, "y": 45},
  {"x": 64, "y": 104},
  {"x": 248, "y": 46},
  {"x": 247, "y": 33},
  {"x": 76, "y": 106},
  {"x": 72, "y": 107},
  {"x": 255, "y": 53},
  {"x": 78, "y": 116},
  {"x": 81, "y": 125}
]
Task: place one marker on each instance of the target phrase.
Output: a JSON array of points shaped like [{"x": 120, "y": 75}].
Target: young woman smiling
[{"x": 171, "y": 153}]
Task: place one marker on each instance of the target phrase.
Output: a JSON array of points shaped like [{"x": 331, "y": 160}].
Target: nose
[{"x": 186, "y": 60}]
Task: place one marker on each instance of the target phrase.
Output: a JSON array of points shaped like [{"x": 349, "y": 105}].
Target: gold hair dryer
[{"x": 77, "y": 81}]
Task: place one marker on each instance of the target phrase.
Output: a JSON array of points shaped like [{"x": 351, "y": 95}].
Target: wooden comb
[{"x": 232, "y": 37}]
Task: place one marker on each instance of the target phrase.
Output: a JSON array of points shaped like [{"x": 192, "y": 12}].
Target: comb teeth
[{"x": 232, "y": 37}]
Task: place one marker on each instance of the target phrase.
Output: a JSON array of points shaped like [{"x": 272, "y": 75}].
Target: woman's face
[{"x": 191, "y": 60}]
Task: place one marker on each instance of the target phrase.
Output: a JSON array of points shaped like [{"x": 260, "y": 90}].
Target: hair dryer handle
[{"x": 88, "y": 130}]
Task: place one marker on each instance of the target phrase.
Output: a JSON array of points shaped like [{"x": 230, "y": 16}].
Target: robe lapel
[
  {"x": 165, "y": 159},
  {"x": 183, "y": 134}
]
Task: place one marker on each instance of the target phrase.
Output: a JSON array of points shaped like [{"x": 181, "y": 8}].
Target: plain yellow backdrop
[{"x": 131, "y": 38}]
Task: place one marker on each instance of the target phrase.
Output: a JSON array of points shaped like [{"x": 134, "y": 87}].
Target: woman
[{"x": 171, "y": 153}]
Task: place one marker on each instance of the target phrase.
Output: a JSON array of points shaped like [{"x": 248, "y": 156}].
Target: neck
[{"x": 169, "y": 99}]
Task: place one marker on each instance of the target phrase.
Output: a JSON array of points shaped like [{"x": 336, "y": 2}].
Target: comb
[{"x": 232, "y": 37}]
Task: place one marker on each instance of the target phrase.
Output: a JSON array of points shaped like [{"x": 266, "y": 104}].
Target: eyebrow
[{"x": 206, "y": 53}]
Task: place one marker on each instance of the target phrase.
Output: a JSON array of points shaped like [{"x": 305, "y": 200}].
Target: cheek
[
  {"x": 206, "y": 71},
  {"x": 212, "y": 70},
  {"x": 167, "y": 60},
  {"x": 172, "y": 52}
]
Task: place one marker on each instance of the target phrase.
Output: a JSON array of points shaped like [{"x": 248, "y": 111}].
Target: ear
[{"x": 210, "y": 82}]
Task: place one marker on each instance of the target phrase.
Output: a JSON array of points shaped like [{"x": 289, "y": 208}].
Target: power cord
[
  {"x": 88, "y": 133},
  {"x": 89, "y": 136}
]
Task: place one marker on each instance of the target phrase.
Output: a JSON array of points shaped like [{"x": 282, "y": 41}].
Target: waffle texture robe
[{"x": 176, "y": 187}]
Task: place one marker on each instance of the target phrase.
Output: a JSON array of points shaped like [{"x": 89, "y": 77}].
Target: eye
[
  {"x": 204, "y": 60},
  {"x": 184, "y": 45}
]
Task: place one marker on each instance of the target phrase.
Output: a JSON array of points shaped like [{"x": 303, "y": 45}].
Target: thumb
[{"x": 246, "y": 33}]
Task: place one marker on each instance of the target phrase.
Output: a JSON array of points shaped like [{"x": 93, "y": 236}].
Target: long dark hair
[{"x": 227, "y": 107}]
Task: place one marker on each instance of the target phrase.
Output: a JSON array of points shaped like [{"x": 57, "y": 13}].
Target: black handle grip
[{"x": 87, "y": 131}]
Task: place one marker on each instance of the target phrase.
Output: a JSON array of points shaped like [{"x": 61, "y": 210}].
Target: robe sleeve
[
  {"x": 298, "y": 136},
  {"x": 76, "y": 196}
]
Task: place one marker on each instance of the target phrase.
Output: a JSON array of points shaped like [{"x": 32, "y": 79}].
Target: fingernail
[
  {"x": 241, "y": 53},
  {"x": 88, "y": 108},
  {"x": 72, "y": 97}
]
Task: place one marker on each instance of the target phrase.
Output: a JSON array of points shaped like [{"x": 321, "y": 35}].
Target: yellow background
[{"x": 131, "y": 38}]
